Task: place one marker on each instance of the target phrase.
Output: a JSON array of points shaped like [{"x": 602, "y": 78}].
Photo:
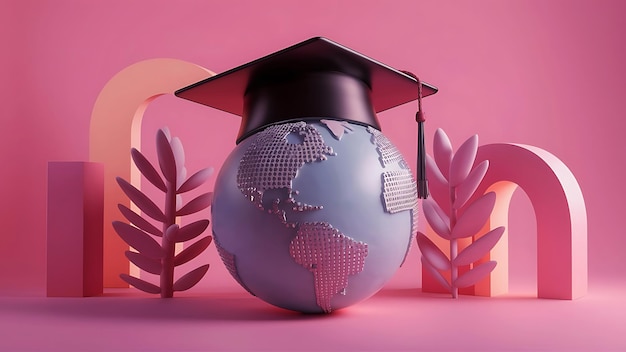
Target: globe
[{"x": 314, "y": 215}]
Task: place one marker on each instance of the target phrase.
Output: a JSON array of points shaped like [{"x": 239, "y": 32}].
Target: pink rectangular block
[{"x": 74, "y": 225}]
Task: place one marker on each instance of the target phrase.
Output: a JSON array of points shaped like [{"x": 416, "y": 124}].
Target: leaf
[
  {"x": 141, "y": 200},
  {"x": 475, "y": 216},
  {"x": 181, "y": 177},
  {"x": 166, "y": 157},
  {"x": 463, "y": 160},
  {"x": 432, "y": 253},
  {"x": 167, "y": 133},
  {"x": 147, "y": 170},
  {"x": 437, "y": 184},
  {"x": 479, "y": 248},
  {"x": 138, "y": 221},
  {"x": 442, "y": 151},
  {"x": 196, "y": 180},
  {"x": 144, "y": 263},
  {"x": 140, "y": 284},
  {"x": 192, "y": 251},
  {"x": 466, "y": 189},
  {"x": 138, "y": 239},
  {"x": 179, "y": 152},
  {"x": 436, "y": 218},
  {"x": 196, "y": 204},
  {"x": 476, "y": 274},
  {"x": 191, "y": 231},
  {"x": 191, "y": 278},
  {"x": 436, "y": 274},
  {"x": 179, "y": 158}
]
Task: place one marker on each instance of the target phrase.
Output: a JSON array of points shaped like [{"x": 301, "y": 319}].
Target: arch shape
[
  {"x": 560, "y": 214},
  {"x": 115, "y": 128}
]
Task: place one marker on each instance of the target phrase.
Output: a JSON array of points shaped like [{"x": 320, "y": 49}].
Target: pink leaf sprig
[
  {"x": 453, "y": 181},
  {"x": 150, "y": 255}
]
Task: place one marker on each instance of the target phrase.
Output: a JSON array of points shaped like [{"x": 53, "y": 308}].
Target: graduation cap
[{"x": 316, "y": 78}]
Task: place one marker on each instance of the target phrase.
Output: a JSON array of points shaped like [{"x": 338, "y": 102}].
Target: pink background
[{"x": 545, "y": 73}]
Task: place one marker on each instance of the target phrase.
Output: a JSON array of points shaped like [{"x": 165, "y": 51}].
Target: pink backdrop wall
[{"x": 545, "y": 73}]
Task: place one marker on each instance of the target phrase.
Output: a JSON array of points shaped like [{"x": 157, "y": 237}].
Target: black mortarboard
[{"x": 316, "y": 78}]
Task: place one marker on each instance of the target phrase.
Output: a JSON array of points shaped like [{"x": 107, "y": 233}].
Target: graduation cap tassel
[{"x": 422, "y": 181}]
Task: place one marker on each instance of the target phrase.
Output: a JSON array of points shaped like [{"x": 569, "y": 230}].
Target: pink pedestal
[{"x": 75, "y": 219}]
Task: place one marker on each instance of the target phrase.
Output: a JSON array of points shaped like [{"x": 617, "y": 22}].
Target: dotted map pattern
[
  {"x": 330, "y": 255},
  {"x": 272, "y": 162},
  {"x": 399, "y": 187}
]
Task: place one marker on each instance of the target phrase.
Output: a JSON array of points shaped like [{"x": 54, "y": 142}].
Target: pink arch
[{"x": 560, "y": 214}]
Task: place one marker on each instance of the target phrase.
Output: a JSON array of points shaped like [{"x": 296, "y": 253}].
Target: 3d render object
[
  {"x": 74, "y": 229},
  {"x": 119, "y": 111},
  {"x": 314, "y": 209},
  {"x": 161, "y": 259},
  {"x": 551, "y": 187},
  {"x": 453, "y": 217},
  {"x": 560, "y": 214}
]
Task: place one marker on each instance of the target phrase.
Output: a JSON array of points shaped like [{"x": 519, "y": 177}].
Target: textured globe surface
[{"x": 314, "y": 216}]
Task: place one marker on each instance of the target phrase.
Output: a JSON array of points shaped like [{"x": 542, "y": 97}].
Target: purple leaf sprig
[
  {"x": 152, "y": 256},
  {"x": 453, "y": 180}
]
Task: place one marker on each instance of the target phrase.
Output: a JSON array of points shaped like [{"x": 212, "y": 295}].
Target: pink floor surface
[{"x": 406, "y": 320}]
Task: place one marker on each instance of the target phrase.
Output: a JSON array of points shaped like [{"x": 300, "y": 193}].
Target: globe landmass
[
  {"x": 272, "y": 162},
  {"x": 331, "y": 256}
]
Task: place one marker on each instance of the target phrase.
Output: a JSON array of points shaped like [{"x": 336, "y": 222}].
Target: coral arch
[{"x": 116, "y": 128}]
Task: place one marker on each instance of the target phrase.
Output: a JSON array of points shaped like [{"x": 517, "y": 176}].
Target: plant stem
[
  {"x": 167, "y": 270},
  {"x": 168, "y": 245},
  {"x": 454, "y": 246}
]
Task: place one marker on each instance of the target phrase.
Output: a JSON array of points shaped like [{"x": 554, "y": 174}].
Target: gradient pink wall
[{"x": 545, "y": 73}]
